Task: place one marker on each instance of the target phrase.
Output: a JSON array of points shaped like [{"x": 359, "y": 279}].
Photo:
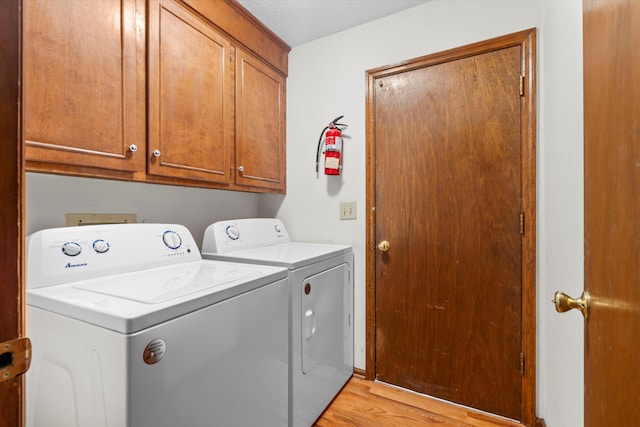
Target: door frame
[
  {"x": 12, "y": 324},
  {"x": 527, "y": 41}
]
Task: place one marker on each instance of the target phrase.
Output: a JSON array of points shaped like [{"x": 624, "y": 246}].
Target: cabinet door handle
[
  {"x": 241, "y": 169},
  {"x": 156, "y": 153},
  {"x": 133, "y": 148}
]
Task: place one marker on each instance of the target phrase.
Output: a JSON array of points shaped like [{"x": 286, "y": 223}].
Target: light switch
[{"x": 347, "y": 210}]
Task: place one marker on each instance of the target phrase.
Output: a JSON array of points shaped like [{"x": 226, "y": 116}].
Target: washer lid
[
  {"x": 292, "y": 255},
  {"x": 131, "y": 302},
  {"x": 163, "y": 285}
]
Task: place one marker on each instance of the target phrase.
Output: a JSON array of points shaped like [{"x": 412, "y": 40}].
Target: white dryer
[
  {"x": 131, "y": 328},
  {"x": 321, "y": 296}
]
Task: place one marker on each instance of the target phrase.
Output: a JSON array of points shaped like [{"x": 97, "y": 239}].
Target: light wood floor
[{"x": 363, "y": 403}]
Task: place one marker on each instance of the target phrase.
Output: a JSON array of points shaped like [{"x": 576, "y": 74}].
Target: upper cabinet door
[
  {"x": 260, "y": 124},
  {"x": 84, "y": 83},
  {"x": 190, "y": 96}
]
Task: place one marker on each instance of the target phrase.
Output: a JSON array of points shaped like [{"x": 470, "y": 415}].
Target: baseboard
[{"x": 359, "y": 372}]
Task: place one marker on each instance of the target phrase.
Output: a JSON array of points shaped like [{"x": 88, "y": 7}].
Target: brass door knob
[
  {"x": 383, "y": 246},
  {"x": 564, "y": 303}
]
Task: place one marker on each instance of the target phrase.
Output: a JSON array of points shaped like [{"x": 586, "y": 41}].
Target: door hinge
[
  {"x": 15, "y": 358},
  {"x": 521, "y": 222},
  {"x": 521, "y": 363},
  {"x": 522, "y": 85}
]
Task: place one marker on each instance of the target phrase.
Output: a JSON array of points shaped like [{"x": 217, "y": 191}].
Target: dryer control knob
[
  {"x": 172, "y": 239},
  {"x": 232, "y": 232},
  {"x": 71, "y": 249}
]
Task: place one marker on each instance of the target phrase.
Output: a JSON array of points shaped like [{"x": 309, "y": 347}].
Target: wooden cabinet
[
  {"x": 260, "y": 124},
  {"x": 84, "y": 85},
  {"x": 190, "y": 96},
  {"x": 214, "y": 86},
  {"x": 216, "y": 112}
]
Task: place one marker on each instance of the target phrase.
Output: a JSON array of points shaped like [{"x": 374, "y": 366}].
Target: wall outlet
[{"x": 347, "y": 210}]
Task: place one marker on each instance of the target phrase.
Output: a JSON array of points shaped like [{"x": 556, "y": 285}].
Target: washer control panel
[{"x": 60, "y": 255}]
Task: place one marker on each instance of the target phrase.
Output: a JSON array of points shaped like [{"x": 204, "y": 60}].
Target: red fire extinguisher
[
  {"x": 332, "y": 148},
  {"x": 333, "y": 151}
]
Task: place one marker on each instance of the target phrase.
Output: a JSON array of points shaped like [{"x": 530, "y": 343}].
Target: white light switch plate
[{"x": 347, "y": 210}]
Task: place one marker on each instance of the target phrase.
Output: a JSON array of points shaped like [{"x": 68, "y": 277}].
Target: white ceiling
[{"x": 300, "y": 21}]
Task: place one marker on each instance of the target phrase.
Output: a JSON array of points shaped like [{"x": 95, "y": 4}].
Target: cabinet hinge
[
  {"x": 230, "y": 56},
  {"x": 522, "y": 85},
  {"x": 521, "y": 363},
  {"x": 521, "y": 222}
]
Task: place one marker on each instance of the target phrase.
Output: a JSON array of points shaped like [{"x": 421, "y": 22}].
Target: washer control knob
[
  {"x": 232, "y": 232},
  {"x": 71, "y": 249},
  {"x": 277, "y": 228},
  {"x": 100, "y": 246},
  {"x": 172, "y": 239}
]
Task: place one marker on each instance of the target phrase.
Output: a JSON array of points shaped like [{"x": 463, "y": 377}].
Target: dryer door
[{"x": 326, "y": 322}]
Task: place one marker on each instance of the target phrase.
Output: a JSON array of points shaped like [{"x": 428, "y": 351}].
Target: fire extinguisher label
[
  {"x": 331, "y": 162},
  {"x": 337, "y": 145}
]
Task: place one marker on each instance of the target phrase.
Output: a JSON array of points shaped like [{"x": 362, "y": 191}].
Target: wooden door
[
  {"x": 11, "y": 214},
  {"x": 260, "y": 124},
  {"x": 190, "y": 96},
  {"x": 449, "y": 197},
  {"x": 84, "y": 85},
  {"x": 612, "y": 211}
]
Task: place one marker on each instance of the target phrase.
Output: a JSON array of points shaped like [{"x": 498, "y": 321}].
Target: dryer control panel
[{"x": 235, "y": 235}]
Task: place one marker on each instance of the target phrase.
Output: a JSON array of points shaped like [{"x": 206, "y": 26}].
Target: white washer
[
  {"x": 131, "y": 328},
  {"x": 321, "y": 329}
]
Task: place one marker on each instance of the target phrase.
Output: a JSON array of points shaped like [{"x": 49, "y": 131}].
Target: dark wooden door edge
[
  {"x": 12, "y": 213},
  {"x": 527, "y": 40}
]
